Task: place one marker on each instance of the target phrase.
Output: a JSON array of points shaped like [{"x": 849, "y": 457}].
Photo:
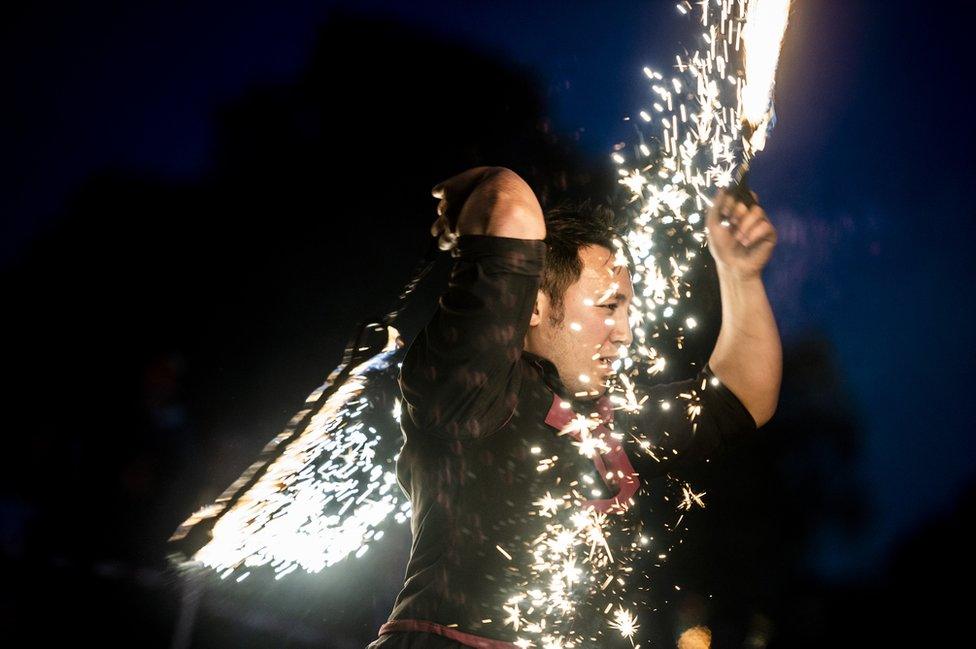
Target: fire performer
[{"x": 526, "y": 336}]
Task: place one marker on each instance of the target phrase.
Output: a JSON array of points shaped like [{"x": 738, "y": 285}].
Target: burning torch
[{"x": 762, "y": 39}]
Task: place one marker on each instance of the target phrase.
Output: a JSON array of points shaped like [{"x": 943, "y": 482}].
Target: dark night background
[{"x": 201, "y": 200}]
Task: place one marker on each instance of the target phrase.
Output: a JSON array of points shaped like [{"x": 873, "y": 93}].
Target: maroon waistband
[{"x": 394, "y": 626}]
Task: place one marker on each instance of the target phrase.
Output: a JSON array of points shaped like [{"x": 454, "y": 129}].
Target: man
[{"x": 525, "y": 336}]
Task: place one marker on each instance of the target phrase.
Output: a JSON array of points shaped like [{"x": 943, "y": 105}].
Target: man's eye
[{"x": 612, "y": 306}]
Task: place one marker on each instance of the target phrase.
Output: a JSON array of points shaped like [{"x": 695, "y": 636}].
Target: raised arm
[
  {"x": 738, "y": 389},
  {"x": 458, "y": 377},
  {"x": 748, "y": 355}
]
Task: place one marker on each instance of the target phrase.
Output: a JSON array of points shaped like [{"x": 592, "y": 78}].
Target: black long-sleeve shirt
[{"x": 479, "y": 415}]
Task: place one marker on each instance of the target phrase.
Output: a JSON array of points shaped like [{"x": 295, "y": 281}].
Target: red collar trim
[{"x": 614, "y": 462}]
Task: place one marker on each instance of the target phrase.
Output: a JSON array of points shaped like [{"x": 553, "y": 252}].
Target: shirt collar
[{"x": 561, "y": 414}]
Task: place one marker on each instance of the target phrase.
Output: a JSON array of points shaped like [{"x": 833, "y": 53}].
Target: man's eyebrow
[{"x": 618, "y": 297}]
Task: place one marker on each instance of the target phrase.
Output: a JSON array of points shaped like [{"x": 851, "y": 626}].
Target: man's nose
[{"x": 622, "y": 333}]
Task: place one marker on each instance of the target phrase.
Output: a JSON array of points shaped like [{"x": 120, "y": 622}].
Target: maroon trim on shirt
[
  {"x": 614, "y": 462},
  {"x": 394, "y": 626}
]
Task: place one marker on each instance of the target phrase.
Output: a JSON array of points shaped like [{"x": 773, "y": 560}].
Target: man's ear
[{"x": 539, "y": 310}]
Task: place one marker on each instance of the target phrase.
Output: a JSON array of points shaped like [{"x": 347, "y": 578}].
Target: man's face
[{"x": 594, "y": 325}]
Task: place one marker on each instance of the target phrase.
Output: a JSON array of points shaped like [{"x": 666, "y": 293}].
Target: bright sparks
[
  {"x": 327, "y": 496},
  {"x": 704, "y": 121},
  {"x": 625, "y": 622},
  {"x": 710, "y": 115}
]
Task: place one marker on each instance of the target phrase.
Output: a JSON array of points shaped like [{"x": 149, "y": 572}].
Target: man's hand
[
  {"x": 744, "y": 246},
  {"x": 486, "y": 200},
  {"x": 748, "y": 355}
]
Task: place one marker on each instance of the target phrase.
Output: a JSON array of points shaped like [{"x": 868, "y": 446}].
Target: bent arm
[
  {"x": 458, "y": 377},
  {"x": 748, "y": 355}
]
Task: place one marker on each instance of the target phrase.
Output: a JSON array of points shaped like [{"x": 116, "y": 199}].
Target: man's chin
[{"x": 591, "y": 392}]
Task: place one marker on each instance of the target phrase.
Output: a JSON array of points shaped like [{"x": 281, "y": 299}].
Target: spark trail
[{"x": 704, "y": 124}]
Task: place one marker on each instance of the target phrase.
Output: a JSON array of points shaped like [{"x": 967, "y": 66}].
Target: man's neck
[{"x": 551, "y": 375}]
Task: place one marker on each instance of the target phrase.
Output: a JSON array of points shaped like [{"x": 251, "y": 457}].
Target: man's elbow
[
  {"x": 762, "y": 414},
  {"x": 517, "y": 222},
  {"x": 515, "y": 211}
]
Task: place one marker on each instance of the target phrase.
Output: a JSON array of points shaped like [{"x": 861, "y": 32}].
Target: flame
[{"x": 762, "y": 37}]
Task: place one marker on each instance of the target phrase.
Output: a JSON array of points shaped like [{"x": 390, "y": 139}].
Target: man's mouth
[{"x": 606, "y": 364}]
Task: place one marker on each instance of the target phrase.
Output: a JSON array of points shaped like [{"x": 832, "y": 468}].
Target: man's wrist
[{"x": 728, "y": 274}]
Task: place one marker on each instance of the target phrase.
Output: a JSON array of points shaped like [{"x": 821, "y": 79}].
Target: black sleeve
[
  {"x": 683, "y": 422},
  {"x": 459, "y": 378}
]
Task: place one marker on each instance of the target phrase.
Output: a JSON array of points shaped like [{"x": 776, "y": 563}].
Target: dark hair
[{"x": 570, "y": 226}]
